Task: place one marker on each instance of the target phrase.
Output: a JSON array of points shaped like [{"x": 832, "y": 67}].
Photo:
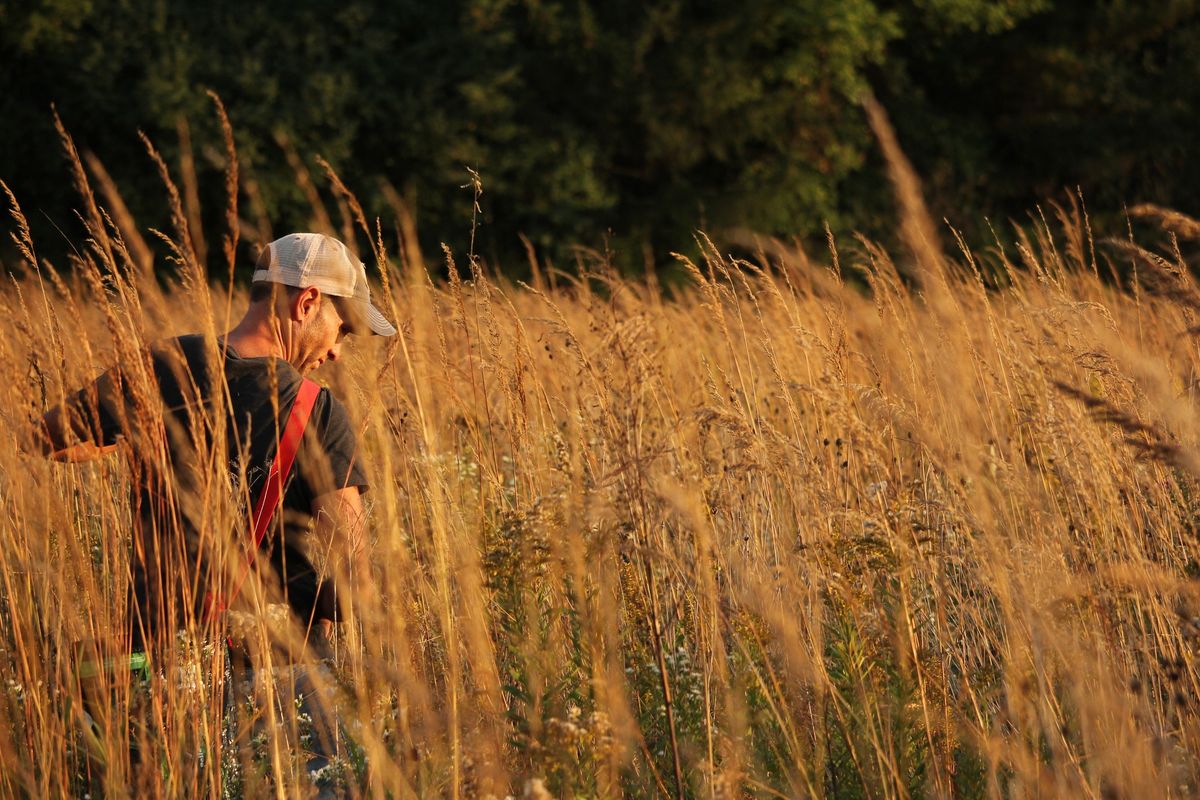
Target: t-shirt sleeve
[
  {"x": 333, "y": 460},
  {"x": 102, "y": 411}
]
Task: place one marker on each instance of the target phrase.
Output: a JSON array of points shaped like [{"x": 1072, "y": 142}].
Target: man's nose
[{"x": 334, "y": 352}]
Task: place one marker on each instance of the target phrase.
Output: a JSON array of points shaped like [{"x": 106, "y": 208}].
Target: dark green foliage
[{"x": 644, "y": 119}]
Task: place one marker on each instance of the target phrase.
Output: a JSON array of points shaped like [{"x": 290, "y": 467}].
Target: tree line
[{"x": 622, "y": 124}]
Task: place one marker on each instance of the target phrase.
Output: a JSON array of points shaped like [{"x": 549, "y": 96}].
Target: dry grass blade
[
  {"x": 1179, "y": 224},
  {"x": 191, "y": 190},
  {"x": 1148, "y": 439},
  {"x": 95, "y": 225},
  {"x": 1170, "y": 281},
  {"x": 916, "y": 225},
  {"x": 193, "y": 270},
  {"x": 141, "y": 254},
  {"x": 232, "y": 226}
]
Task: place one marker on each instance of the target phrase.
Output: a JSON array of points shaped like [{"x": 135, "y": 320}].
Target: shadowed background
[{"x": 623, "y": 122}]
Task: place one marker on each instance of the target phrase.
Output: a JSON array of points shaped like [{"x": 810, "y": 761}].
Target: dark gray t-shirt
[{"x": 168, "y": 566}]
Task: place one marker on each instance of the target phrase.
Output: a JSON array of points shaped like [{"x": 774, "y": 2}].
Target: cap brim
[
  {"x": 377, "y": 322},
  {"x": 363, "y": 317}
]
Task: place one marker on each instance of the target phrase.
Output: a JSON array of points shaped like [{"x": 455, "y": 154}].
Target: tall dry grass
[{"x": 768, "y": 535}]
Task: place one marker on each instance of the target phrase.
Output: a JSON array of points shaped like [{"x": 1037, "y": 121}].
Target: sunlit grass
[{"x": 770, "y": 535}]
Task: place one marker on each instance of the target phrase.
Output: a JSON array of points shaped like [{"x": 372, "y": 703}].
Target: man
[{"x": 193, "y": 397}]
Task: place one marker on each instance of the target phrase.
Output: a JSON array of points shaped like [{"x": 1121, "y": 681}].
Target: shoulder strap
[
  {"x": 281, "y": 467},
  {"x": 272, "y": 491}
]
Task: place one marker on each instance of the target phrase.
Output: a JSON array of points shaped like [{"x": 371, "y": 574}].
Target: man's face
[{"x": 321, "y": 335}]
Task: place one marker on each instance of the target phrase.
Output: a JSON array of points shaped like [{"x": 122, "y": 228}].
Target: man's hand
[
  {"x": 341, "y": 527},
  {"x": 85, "y": 451},
  {"x": 54, "y": 439}
]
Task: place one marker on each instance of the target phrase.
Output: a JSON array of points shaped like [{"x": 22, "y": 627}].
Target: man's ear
[{"x": 306, "y": 303}]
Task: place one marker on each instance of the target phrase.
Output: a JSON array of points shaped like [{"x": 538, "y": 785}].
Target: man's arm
[
  {"x": 341, "y": 526},
  {"x": 51, "y": 437},
  {"x": 86, "y": 425},
  {"x": 55, "y": 439}
]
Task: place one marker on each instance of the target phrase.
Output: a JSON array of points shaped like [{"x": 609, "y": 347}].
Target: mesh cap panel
[{"x": 313, "y": 259}]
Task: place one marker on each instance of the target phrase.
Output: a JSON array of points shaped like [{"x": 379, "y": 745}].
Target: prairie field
[{"x": 845, "y": 524}]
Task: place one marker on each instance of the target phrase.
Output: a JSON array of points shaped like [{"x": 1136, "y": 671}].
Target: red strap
[{"x": 268, "y": 499}]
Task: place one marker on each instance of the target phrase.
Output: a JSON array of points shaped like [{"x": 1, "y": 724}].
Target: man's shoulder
[
  {"x": 186, "y": 340},
  {"x": 326, "y": 395},
  {"x": 333, "y": 416},
  {"x": 181, "y": 363},
  {"x": 191, "y": 345},
  {"x": 337, "y": 446}
]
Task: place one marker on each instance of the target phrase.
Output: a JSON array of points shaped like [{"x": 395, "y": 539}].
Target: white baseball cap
[{"x": 314, "y": 259}]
